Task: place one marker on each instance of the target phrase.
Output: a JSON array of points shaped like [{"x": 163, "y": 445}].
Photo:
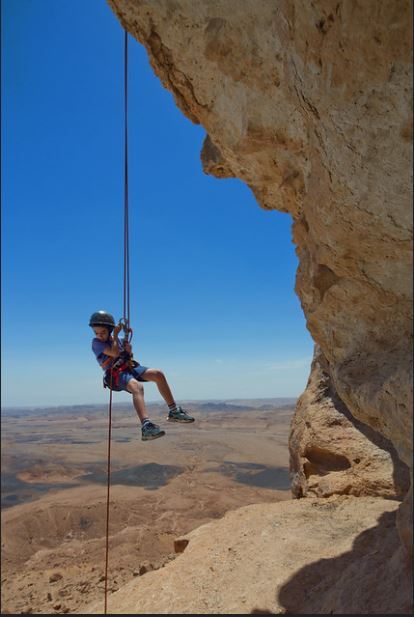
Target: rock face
[
  {"x": 269, "y": 558},
  {"x": 332, "y": 453},
  {"x": 309, "y": 103}
]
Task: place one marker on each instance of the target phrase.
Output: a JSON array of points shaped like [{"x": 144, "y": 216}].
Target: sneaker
[
  {"x": 179, "y": 415},
  {"x": 151, "y": 431}
]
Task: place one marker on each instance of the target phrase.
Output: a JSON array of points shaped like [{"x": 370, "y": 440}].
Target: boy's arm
[{"x": 114, "y": 350}]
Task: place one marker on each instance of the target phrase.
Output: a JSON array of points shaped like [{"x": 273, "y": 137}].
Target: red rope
[{"x": 107, "y": 491}]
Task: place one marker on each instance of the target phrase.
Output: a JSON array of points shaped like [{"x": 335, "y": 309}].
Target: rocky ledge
[{"x": 336, "y": 555}]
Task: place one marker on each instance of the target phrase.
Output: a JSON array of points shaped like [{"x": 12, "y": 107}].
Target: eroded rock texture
[
  {"x": 309, "y": 102},
  {"x": 332, "y": 453}
]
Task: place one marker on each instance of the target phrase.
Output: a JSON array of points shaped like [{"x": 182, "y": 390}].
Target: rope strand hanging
[
  {"x": 126, "y": 314},
  {"x": 126, "y": 305},
  {"x": 107, "y": 495}
]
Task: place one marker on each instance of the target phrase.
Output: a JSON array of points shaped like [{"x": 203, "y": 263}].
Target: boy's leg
[
  {"x": 148, "y": 428},
  {"x": 176, "y": 413},
  {"x": 137, "y": 392},
  {"x": 154, "y": 374}
]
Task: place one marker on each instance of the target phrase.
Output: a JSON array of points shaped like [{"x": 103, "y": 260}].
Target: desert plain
[{"x": 54, "y": 491}]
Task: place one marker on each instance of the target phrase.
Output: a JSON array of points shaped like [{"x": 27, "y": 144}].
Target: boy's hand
[{"x": 117, "y": 329}]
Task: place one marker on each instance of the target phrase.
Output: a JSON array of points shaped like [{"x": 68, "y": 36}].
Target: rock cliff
[{"x": 309, "y": 103}]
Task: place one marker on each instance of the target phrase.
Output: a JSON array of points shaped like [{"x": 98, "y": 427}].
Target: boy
[{"x": 127, "y": 374}]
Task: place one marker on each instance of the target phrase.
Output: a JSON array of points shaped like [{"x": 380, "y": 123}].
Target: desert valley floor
[{"x": 54, "y": 491}]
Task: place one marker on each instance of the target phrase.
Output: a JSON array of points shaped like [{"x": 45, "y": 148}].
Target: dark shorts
[
  {"x": 138, "y": 373},
  {"x": 135, "y": 373}
]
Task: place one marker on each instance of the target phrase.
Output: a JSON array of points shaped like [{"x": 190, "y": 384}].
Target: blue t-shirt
[{"x": 98, "y": 347}]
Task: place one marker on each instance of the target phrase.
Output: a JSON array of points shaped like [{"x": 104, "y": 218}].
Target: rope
[
  {"x": 107, "y": 493},
  {"x": 126, "y": 204},
  {"x": 126, "y": 315}
]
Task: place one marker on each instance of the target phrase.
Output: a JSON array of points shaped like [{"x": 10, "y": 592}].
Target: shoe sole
[
  {"x": 178, "y": 420},
  {"x": 151, "y": 437}
]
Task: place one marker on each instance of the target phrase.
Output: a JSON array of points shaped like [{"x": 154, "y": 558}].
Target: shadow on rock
[{"x": 373, "y": 577}]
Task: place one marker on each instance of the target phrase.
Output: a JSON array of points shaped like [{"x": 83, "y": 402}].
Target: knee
[
  {"x": 159, "y": 375},
  {"x": 135, "y": 387}
]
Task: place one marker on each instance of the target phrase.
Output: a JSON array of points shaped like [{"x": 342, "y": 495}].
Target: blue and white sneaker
[
  {"x": 151, "y": 431},
  {"x": 179, "y": 415}
]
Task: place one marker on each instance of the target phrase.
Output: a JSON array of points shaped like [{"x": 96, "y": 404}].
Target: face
[{"x": 101, "y": 333}]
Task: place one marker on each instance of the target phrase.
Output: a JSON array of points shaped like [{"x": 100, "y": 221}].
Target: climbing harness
[
  {"x": 111, "y": 379},
  {"x": 113, "y": 374}
]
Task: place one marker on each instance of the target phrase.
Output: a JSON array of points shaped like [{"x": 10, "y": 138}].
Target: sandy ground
[{"x": 54, "y": 468}]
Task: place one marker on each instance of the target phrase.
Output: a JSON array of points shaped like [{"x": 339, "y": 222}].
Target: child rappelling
[{"x": 123, "y": 373}]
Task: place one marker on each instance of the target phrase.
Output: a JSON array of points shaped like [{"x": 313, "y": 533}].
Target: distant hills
[
  {"x": 244, "y": 404},
  {"x": 261, "y": 403},
  {"x": 213, "y": 405}
]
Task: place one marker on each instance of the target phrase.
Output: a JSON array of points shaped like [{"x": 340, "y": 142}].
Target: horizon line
[{"x": 190, "y": 400}]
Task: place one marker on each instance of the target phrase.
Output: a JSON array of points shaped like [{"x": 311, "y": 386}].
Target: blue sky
[{"x": 212, "y": 275}]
